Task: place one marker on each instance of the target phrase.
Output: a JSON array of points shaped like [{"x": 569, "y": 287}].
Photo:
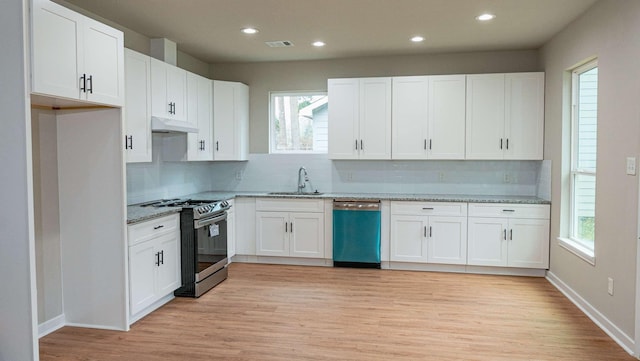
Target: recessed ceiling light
[
  {"x": 485, "y": 17},
  {"x": 417, "y": 39},
  {"x": 249, "y": 30},
  {"x": 318, "y": 43}
]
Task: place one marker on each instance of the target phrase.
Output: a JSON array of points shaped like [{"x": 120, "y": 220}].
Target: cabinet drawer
[
  {"x": 429, "y": 208},
  {"x": 289, "y": 205},
  {"x": 508, "y": 210},
  {"x": 152, "y": 228}
]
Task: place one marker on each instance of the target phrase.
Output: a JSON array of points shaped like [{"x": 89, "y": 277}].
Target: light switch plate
[{"x": 631, "y": 165}]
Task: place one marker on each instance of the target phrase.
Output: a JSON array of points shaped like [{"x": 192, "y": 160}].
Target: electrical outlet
[
  {"x": 239, "y": 175},
  {"x": 610, "y": 286},
  {"x": 631, "y": 165},
  {"x": 507, "y": 177}
]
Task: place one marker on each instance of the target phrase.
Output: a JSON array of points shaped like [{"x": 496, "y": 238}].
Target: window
[
  {"x": 299, "y": 122},
  {"x": 584, "y": 132}
]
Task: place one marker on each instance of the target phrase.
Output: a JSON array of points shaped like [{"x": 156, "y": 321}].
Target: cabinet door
[
  {"x": 409, "y": 118},
  {"x": 199, "y": 101},
  {"x": 137, "y": 109},
  {"x": 168, "y": 272},
  {"x": 224, "y": 115},
  {"x": 241, "y": 134},
  {"x": 524, "y": 115},
  {"x": 272, "y": 238},
  {"x": 177, "y": 91},
  {"x": 485, "y": 116},
  {"x": 409, "y": 238},
  {"x": 343, "y": 118},
  {"x": 375, "y": 118},
  {"x": 142, "y": 271},
  {"x": 528, "y": 243},
  {"x": 447, "y": 240},
  {"x": 487, "y": 244},
  {"x": 55, "y": 50},
  {"x": 447, "y": 98},
  {"x": 307, "y": 235},
  {"x": 103, "y": 63},
  {"x": 159, "y": 102}
]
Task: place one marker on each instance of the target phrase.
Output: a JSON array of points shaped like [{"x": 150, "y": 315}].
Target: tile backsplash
[{"x": 279, "y": 172}]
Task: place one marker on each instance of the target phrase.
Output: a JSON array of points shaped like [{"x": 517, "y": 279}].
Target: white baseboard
[
  {"x": 52, "y": 325},
  {"x": 621, "y": 338}
]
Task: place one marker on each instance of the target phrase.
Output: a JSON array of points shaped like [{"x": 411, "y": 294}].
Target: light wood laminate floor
[{"x": 270, "y": 312}]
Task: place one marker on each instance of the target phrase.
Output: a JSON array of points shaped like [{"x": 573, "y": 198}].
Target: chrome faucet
[{"x": 302, "y": 179}]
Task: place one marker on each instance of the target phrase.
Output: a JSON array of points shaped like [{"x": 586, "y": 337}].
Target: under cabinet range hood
[{"x": 165, "y": 125}]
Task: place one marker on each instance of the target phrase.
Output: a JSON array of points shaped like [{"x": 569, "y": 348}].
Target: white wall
[
  {"x": 18, "y": 336},
  {"x": 265, "y": 77},
  {"x": 47, "y": 217},
  {"x": 609, "y": 31}
]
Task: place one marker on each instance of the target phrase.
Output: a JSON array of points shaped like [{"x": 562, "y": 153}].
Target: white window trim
[
  {"x": 272, "y": 130},
  {"x": 571, "y": 244},
  {"x": 578, "y": 249}
]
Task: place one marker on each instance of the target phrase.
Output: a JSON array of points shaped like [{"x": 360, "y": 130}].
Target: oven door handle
[{"x": 205, "y": 222}]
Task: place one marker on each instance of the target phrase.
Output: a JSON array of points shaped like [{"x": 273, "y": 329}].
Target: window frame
[
  {"x": 576, "y": 245},
  {"x": 272, "y": 116}
]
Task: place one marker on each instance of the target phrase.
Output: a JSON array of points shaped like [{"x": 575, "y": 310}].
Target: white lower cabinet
[
  {"x": 290, "y": 228},
  {"x": 509, "y": 235},
  {"x": 426, "y": 232},
  {"x": 154, "y": 262}
]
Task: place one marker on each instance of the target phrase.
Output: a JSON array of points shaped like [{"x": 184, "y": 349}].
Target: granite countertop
[{"x": 136, "y": 213}]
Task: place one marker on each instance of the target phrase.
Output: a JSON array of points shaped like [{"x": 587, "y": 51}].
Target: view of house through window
[
  {"x": 583, "y": 158},
  {"x": 299, "y": 122}
]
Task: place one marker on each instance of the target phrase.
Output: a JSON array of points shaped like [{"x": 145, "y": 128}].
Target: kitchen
[{"x": 331, "y": 176}]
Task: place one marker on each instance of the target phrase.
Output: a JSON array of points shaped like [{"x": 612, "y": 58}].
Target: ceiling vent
[{"x": 279, "y": 44}]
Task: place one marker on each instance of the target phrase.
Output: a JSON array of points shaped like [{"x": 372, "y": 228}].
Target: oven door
[{"x": 211, "y": 245}]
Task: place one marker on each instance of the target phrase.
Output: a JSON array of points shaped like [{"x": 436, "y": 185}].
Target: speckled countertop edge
[{"x": 136, "y": 214}]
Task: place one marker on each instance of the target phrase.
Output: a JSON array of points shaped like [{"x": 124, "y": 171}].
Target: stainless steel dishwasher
[{"x": 356, "y": 233}]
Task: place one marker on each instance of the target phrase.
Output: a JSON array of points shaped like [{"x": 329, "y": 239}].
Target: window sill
[{"x": 579, "y": 250}]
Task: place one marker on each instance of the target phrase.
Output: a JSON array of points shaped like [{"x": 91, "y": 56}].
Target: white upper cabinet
[
  {"x": 505, "y": 116},
  {"x": 230, "y": 120},
  {"x": 137, "y": 107},
  {"x": 168, "y": 91},
  {"x": 428, "y": 117},
  {"x": 360, "y": 118},
  {"x": 199, "y": 113},
  {"x": 75, "y": 57},
  {"x": 524, "y": 115}
]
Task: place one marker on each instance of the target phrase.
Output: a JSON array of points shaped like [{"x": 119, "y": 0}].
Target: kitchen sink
[{"x": 295, "y": 194}]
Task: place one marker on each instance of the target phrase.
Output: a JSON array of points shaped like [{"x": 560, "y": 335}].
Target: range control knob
[{"x": 225, "y": 203}]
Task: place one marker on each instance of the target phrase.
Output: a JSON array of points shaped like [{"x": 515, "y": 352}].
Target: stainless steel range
[{"x": 203, "y": 230}]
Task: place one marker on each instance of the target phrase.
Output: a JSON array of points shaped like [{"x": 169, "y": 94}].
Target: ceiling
[{"x": 210, "y": 29}]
